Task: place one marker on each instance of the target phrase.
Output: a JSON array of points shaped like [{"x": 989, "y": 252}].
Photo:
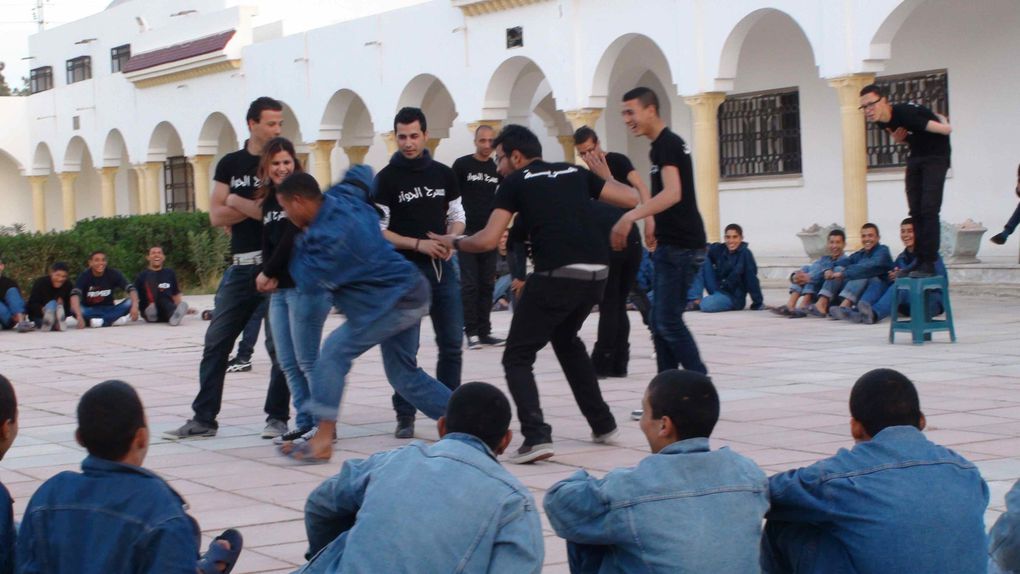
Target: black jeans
[
  {"x": 614, "y": 325},
  {"x": 553, "y": 310},
  {"x": 477, "y": 281},
  {"x": 236, "y": 301},
  {"x": 926, "y": 176},
  {"x": 165, "y": 307},
  {"x": 250, "y": 335}
]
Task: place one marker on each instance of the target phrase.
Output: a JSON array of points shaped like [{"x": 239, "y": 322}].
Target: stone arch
[
  {"x": 217, "y": 136},
  {"x": 880, "y": 47},
  {"x": 429, "y": 93},
  {"x": 292, "y": 129},
  {"x": 734, "y": 44},
  {"x": 519, "y": 92},
  {"x": 17, "y": 192},
  {"x": 347, "y": 120},
  {"x": 607, "y": 70},
  {"x": 164, "y": 142},
  {"x": 115, "y": 153},
  {"x": 75, "y": 153}
]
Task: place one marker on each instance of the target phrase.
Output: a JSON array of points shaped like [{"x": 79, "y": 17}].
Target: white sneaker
[
  {"x": 96, "y": 323},
  {"x": 71, "y": 322},
  {"x": 179, "y": 314},
  {"x": 121, "y": 321}
]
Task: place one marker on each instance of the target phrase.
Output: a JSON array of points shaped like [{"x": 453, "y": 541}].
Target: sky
[{"x": 18, "y": 21}]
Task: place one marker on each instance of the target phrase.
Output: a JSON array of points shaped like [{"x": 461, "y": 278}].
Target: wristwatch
[{"x": 456, "y": 241}]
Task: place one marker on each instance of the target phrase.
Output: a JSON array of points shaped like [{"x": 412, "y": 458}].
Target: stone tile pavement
[{"x": 784, "y": 385}]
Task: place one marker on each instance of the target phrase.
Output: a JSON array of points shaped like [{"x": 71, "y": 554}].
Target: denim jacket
[
  {"x": 439, "y": 508},
  {"x": 817, "y": 269},
  {"x": 343, "y": 251},
  {"x": 736, "y": 273},
  {"x": 896, "y": 503},
  {"x": 685, "y": 509},
  {"x": 864, "y": 264},
  {"x": 1004, "y": 545},
  {"x": 111, "y": 518}
]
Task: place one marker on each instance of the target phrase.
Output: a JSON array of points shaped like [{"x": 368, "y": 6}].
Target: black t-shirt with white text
[
  {"x": 555, "y": 203},
  {"x": 914, "y": 119},
  {"x": 152, "y": 285},
  {"x": 478, "y": 182},
  {"x": 607, "y": 215},
  {"x": 237, "y": 170},
  {"x": 278, "y": 235},
  {"x": 681, "y": 224},
  {"x": 100, "y": 290}
]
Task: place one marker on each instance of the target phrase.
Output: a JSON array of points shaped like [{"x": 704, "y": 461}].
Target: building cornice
[
  {"x": 187, "y": 74},
  {"x": 479, "y": 7}
]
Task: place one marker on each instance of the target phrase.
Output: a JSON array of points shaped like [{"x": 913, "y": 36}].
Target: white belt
[{"x": 249, "y": 258}]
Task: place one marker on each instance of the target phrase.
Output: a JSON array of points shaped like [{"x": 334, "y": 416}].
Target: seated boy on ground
[
  {"x": 806, "y": 281},
  {"x": 115, "y": 516},
  {"x": 50, "y": 300},
  {"x": 95, "y": 288},
  {"x": 881, "y": 298},
  {"x": 896, "y": 502},
  {"x": 430, "y": 508},
  {"x": 159, "y": 296},
  {"x": 12, "y": 305},
  {"x": 8, "y": 432},
  {"x": 1004, "y": 538},
  {"x": 684, "y": 509},
  {"x": 849, "y": 276},
  {"x": 729, "y": 274}
]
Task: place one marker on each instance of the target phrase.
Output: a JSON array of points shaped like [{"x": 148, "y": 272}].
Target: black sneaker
[
  {"x": 405, "y": 428},
  {"x": 1000, "y": 238},
  {"x": 238, "y": 365},
  {"x": 473, "y": 342},
  {"x": 529, "y": 453},
  {"x": 291, "y": 436},
  {"x": 191, "y": 429},
  {"x": 491, "y": 341}
]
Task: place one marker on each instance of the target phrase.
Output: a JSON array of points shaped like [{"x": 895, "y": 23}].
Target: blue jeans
[
  {"x": 800, "y": 548},
  {"x": 11, "y": 305},
  {"x": 674, "y": 272},
  {"x": 887, "y": 296},
  {"x": 447, "y": 313},
  {"x": 296, "y": 318},
  {"x": 397, "y": 337},
  {"x": 716, "y": 301},
  {"x": 108, "y": 313}
]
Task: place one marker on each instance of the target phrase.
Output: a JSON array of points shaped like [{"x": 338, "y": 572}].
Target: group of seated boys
[
  {"x": 895, "y": 502},
  {"x": 859, "y": 287},
  {"x": 55, "y": 303}
]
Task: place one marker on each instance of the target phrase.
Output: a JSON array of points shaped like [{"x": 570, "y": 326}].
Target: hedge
[{"x": 195, "y": 250}]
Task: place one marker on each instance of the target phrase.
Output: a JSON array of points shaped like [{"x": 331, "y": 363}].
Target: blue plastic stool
[{"x": 920, "y": 324}]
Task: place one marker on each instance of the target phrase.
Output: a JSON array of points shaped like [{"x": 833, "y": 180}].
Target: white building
[{"x": 107, "y": 134}]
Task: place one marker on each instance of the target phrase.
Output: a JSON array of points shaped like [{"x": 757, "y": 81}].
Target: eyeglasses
[{"x": 869, "y": 105}]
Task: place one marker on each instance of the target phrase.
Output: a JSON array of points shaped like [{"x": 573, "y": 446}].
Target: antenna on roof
[{"x": 38, "y": 14}]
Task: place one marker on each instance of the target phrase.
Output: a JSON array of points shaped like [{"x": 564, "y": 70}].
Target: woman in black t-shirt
[{"x": 295, "y": 316}]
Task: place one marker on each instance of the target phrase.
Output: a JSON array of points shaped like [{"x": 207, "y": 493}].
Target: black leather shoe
[{"x": 405, "y": 428}]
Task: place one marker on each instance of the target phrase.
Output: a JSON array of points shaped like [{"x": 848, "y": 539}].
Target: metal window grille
[
  {"x": 41, "y": 79},
  {"x": 929, "y": 89},
  {"x": 118, "y": 57},
  {"x": 179, "y": 179},
  {"x": 759, "y": 134},
  {"x": 79, "y": 69}
]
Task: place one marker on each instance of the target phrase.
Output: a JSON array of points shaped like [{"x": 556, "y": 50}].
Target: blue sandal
[
  {"x": 217, "y": 554},
  {"x": 302, "y": 454}
]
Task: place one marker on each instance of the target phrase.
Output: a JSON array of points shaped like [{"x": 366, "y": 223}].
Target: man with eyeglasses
[{"x": 927, "y": 134}]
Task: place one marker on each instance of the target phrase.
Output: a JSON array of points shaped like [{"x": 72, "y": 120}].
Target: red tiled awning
[{"x": 177, "y": 52}]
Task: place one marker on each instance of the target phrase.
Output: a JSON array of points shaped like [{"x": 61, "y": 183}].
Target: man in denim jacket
[
  {"x": 850, "y": 274},
  {"x": 896, "y": 502},
  {"x": 685, "y": 509},
  {"x": 806, "y": 281},
  {"x": 439, "y": 508},
  {"x": 114, "y": 517}
]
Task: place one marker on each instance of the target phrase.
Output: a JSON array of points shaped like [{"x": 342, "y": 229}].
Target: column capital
[
  {"x": 320, "y": 146},
  {"x": 849, "y": 87},
  {"x": 37, "y": 180},
  {"x": 583, "y": 117},
  {"x": 356, "y": 153},
  {"x": 496, "y": 125},
  {"x": 390, "y": 139},
  {"x": 201, "y": 160},
  {"x": 705, "y": 99},
  {"x": 67, "y": 177},
  {"x": 153, "y": 165},
  {"x": 107, "y": 171}
]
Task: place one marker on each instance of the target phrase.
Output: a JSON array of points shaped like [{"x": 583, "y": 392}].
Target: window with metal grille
[
  {"x": 759, "y": 134},
  {"x": 79, "y": 69},
  {"x": 179, "y": 178},
  {"x": 928, "y": 89},
  {"x": 118, "y": 57},
  {"x": 40, "y": 79}
]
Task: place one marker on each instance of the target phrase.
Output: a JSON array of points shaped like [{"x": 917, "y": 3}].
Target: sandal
[
  {"x": 302, "y": 453},
  {"x": 782, "y": 311},
  {"x": 217, "y": 554}
]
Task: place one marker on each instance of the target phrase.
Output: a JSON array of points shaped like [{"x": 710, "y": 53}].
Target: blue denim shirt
[
  {"x": 818, "y": 267},
  {"x": 685, "y": 509},
  {"x": 1004, "y": 543},
  {"x": 864, "y": 264},
  {"x": 897, "y": 503},
  {"x": 440, "y": 508},
  {"x": 111, "y": 518},
  {"x": 343, "y": 251}
]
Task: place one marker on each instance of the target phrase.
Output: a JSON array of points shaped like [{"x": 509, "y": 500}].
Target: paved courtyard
[{"x": 784, "y": 386}]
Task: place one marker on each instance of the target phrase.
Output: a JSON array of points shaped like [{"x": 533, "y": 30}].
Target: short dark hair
[
  {"x": 8, "y": 401},
  {"x": 60, "y": 266},
  {"x": 483, "y": 127},
  {"x": 907, "y": 221},
  {"x": 585, "y": 133},
  {"x": 480, "y": 410},
  {"x": 515, "y": 137},
  {"x": 883, "y": 398},
  {"x": 407, "y": 116},
  {"x": 259, "y": 105},
  {"x": 837, "y": 232},
  {"x": 109, "y": 416},
  {"x": 688, "y": 398},
  {"x": 299, "y": 184},
  {"x": 870, "y": 225},
  {"x": 151, "y": 247},
  {"x": 96, "y": 252},
  {"x": 873, "y": 89},
  {"x": 735, "y": 227},
  {"x": 644, "y": 95}
]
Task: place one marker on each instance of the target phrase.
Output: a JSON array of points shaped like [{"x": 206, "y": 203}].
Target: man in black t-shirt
[
  {"x": 94, "y": 291},
  {"x": 232, "y": 205},
  {"x": 571, "y": 265},
  {"x": 611, "y": 353},
  {"x": 417, "y": 196},
  {"x": 927, "y": 134},
  {"x": 478, "y": 180},
  {"x": 159, "y": 296},
  {"x": 679, "y": 233},
  {"x": 50, "y": 300}
]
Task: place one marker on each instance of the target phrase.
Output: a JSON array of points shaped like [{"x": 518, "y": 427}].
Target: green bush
[{"x": 196, "y": 251}]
